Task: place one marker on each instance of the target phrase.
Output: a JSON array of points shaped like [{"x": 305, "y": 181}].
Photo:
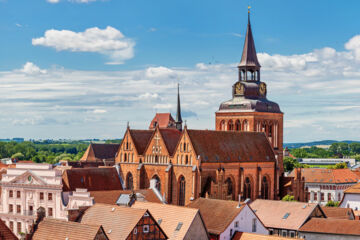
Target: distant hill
[{"x": 315, "y": 143}]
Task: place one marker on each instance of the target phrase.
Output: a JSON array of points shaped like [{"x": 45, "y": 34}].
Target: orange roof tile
[
  {"x": 353, "y": 189},
  {"x": 111, "y": 196},
  {"x": 217, "y": 214},
  {"x": 339, "y": 213},
  {"x": 51, "y": 229},
  {"x": 104, "y": 178},
  {"x": 117, "y": 221},
  {"x": 253, "y": 236},
  {"x": 228, "y": 146},
  {"x": 282, "y": 214},
  {"x": 6, "y": 232},
  {"x": 171, "y": 215},
  {"x": 332, "y": 226},
  {"x": 319, "y": 175},
  {"x": 163, "y": 120}
]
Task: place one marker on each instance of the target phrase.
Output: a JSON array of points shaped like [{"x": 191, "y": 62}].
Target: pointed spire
[
  {"x": 249, "y": 57},
  {"x": 178, "y": 112}
]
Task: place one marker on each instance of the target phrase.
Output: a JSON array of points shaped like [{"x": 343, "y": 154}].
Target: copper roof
[
  {"x": 98, "y": 152},
  {"x": 92, "y": 179},
  {"x": 6, "y": 232},
  {"x": 320, "y": 175},
  {"x": 332, "y": 226},
  {"x": 339, "y": 213},
  {"x": 110, "y": 197},
  {"x": 282, "y": 214},
  {"x": 170, "y": 216},
  {"x": 249, "y": 57},
  {"x": 51, "y": 229},
  {"x": 231, "y": 146},
  {"x": 117, "y": 221},
  {"x": 141, "y": 139},
  {"x": 253, "y": 236},
  {"x": 353, "y": 189},
  {"x": 163, "y": 120},
  {"x": 217, "y": 214}
]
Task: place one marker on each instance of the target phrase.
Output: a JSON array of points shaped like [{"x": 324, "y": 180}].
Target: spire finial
[
  {"x": 249, "y": 7},
  {"x": 178, "y": 110},
  {"x": 128, "y": 124}
]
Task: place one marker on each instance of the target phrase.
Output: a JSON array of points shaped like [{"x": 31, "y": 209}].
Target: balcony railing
[{"x": 28, "y": 213}]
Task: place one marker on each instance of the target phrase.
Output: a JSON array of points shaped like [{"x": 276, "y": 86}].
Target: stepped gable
[
  {"x": 226, "y": 146},
  {"x": 141, "y": 139},
  {"x": 217, "y": 214},
  {"x": 99, "y": 152},
  {"x": 93, "y": 179}
]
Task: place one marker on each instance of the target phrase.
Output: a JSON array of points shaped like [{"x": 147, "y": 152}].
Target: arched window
[
  {"x": 229, "y": 190},
  {"x": 181, "y": 201},
  {"x": 158, "y": 183},
  {"x": 125, "y": 157},
  {"x": 265, "y": 188},
  {"x": 127, "y": 146},
  {"x": 222, "y": 125},
  {"x": 247, "y": 188},
  {"x": 129, "y": 181},
  {"x": 230, "y": 125},
  {"x": 184, "y": 147},
  {"x": 186, "y": 160},
  {"x": 156, "y": 159},
  {"x": 237, "y": 125},
  {"x": 245, "y": 125}
]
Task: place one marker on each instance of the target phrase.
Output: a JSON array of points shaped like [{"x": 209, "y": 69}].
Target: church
[{"x": 241, "y": 159}]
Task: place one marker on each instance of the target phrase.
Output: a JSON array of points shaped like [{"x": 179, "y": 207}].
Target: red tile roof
[
  {"x": 217, "y": 214},
  {"x": 332, "y": 226},
  {"x": 141, "y": 139},
  {"x": 51, "y": 229},
  {"x": 98, "y": 152},
  {"x": 253, "y": 236},
  {"x": 93, "y": 179},
  {"x": 6, "y": 232},
  {"x": 110, "y": 197},
  {"x": 171, "y": 138},
  {"x": 353, "y": 189},
  {"x": 339, "y": 213},
  {"x": 319, "y": 175},
  {"x": 163, "y": 120},
  {"x": 227, "y": 146}
]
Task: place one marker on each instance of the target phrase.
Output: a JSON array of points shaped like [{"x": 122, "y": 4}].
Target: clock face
[
  {"x": 239, "y": 88},
  {"x": 262, "y": 89}
]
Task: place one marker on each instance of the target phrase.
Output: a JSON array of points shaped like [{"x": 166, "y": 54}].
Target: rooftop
[
  {"x": 339, "y": 213},
  {"x": 332, "y": 226},
  {"x": 318, "y": 175},
  {"x": 253, "y": 236},
  {"x": 111, "y": 197}
]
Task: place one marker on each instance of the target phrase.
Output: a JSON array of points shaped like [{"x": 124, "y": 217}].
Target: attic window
[
  {"x": 146, "y": 214},
  {"x": 178, "y": 227},
  {"x": 113, "y": 209},
  {"x": 286, "y": 215},
  {"x": 159, "y": 221},
  {"x": 109, "y": 231}
]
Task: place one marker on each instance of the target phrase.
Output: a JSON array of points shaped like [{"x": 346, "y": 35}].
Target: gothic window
[
  {"x": 237, "y": 125},
  {"x": 184, "y": 147},
  {"x": 247, "y": 188},
  {"x": 265, "y": 188},
  {"x": 230, "y": 125},
  {"x": 229, "y": 190},
  {"x": 129, "y": 181},
  {"x": 125, "y": 157},
  {"x": 181, "y": 201},
  {"x": 127, "y": 146},
  {"x": 158, "y": 183},
  {"x": 156, "y": 159},
  {"x": 222, "y": 125},
  {"x": 186, "y": 160}
]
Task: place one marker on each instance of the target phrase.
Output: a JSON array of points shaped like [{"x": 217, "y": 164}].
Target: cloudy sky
[{"x": 83, "y": 68}]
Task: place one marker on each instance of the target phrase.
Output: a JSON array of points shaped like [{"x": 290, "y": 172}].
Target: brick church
[{"x": 242, "y": 158}]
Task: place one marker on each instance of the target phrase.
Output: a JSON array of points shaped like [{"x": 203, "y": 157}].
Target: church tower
[{"x": 249, "y": 109}]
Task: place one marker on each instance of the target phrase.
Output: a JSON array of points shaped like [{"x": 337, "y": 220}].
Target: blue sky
[{"x": 83, "y": 68}]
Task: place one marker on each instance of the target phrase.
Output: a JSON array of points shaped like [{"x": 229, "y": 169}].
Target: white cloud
[
  {"x": 31, "y": 69},
  {"x": 159, "y": 72},
  {"x": 108, "y": 41},
  {"x": 53, "y": 1},
  {"x": 149, "y": 96},
  {"x": 99, "y": 111}
]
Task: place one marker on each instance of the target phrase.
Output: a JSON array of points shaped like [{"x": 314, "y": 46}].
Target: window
[
  {"x": 322, "y": 196},
  {"x": 236, "y": 224},
  {"x": 50, "y": 212},
  {"x": 135, "y": 231},
  {"x": 19, "y": 227},
  {"x": 292, "y": 234},
  {"x": 18, "y": 194},
  {"x": 178, "y": 227},
  {"x": 286, "y": 215},
  {"x": 50, "y": 196},
  {"x": 339, "y": 196},
  {"x": 231, "y": 232},
  {"x": 11, "y": 193},
  {"x": 254, "y": 225},
  {"x": 315, "y": 196},
  {"x": 11, "y": 225},
  {"x": 18, "y": 208},
  {"x": 11, "y": 208},
  {"x": 146, "y": 228},
  {"x": 284, "y": 233},
  {"x": 329, "y": 196},
  {"x": 271, "y": 231},
  {"x": 41, "y": 196},
  {"x": 181, "y": 185}
]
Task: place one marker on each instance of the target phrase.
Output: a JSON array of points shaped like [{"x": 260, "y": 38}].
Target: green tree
[
  {"x": 332, "y": 204},
  {"x": 288, "y": 198},
  {"x": 18, "y": 156}
]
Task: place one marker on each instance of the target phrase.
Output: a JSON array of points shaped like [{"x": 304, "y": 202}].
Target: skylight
[
  {"x": 159, "y": 221},
  {"x": 286, "y": 215},
  {"x": 178, "y": 227}
]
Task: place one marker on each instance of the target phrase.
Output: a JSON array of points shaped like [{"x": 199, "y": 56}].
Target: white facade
[
  {"x": 326, "y": 236},
  {"x": 29, "y": 186},
  {"x": 351, "y": 200},
  {"x": 246, "y": 221},
  {"x": 323, "y": 192}
]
